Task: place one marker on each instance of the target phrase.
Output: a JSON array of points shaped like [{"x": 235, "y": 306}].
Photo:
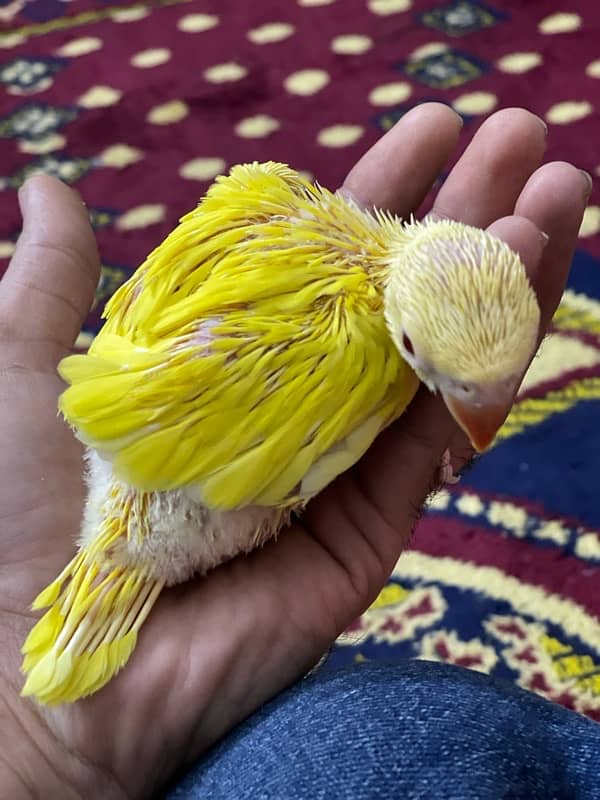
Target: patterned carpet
[{"x": 140, "y": 105}]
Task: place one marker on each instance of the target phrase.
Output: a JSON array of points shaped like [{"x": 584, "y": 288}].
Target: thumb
[{"x": 49, "y": 285}]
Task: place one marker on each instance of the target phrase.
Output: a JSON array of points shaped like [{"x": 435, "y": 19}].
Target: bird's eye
[{"x": 407, "y": 344}]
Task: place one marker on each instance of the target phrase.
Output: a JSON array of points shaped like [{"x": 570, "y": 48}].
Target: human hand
[{"x": 215, "y": 649}]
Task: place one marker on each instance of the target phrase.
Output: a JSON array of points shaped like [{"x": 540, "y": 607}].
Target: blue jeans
[{"x": 413, "y": 730}]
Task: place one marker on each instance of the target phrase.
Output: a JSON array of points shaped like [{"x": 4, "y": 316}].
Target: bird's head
[{"x": 461, "y": 311}]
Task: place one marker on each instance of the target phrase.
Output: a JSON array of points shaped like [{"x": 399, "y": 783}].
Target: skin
[{"x": 216, "y": 649}]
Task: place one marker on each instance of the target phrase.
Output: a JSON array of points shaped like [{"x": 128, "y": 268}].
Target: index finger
[{"x": 399, "y": 170}]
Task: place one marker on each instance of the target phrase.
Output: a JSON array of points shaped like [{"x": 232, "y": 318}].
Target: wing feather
[{"x": 248, "y": 357}]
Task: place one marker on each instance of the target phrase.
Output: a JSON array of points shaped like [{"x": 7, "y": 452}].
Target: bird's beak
[{"x": 482, "y": 418}]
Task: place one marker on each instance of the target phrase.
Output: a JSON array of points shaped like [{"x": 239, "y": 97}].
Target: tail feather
[{"x": 89, "y": 631}]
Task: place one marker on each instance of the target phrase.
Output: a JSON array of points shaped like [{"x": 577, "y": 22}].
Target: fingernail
[
  {"x": 23, "y": 199},
  {"x": 460, "y": 117},
  {"x": 545, "y": 238},
  {"x": 589, "y": 183},
  {"x": 544, "y": 126},
  {"x": 25, "y": 187}
]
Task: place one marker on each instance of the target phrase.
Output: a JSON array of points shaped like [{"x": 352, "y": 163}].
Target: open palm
[{"x": 214, "y": 650}]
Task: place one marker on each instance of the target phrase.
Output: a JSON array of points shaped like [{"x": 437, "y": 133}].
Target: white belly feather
[{"x": 182, "y": 537}]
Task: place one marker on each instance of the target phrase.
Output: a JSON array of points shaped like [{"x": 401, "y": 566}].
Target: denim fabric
[{"x": 412, "y": 730}]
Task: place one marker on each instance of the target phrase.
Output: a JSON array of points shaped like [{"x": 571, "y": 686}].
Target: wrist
[
  {"x": 25, "y": 768},
  {"x": 27, "y": 783},
  {"x": 35, "y": 763}
]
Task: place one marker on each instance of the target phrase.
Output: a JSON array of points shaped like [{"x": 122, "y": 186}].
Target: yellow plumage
[
  {"x": 253, "y": 357},
  {"x": 246, "y": 336}
]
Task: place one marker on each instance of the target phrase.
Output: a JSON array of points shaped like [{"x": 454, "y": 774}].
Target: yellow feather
[
  {"x": 96, "y": 669},
  {"x": 48, "y": 596},
  {"x": 45, "y": 632},
  {"x": 342, "y": 456},
  {"x": 90, "y": 629},
  {"x": 40, "y": 675}
]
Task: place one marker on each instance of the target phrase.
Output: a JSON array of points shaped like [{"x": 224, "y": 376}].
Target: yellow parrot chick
[{"x": 253, "y": 357}]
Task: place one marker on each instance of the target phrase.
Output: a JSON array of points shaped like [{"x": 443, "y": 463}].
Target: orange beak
[{"x": 480, "y": 422}]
